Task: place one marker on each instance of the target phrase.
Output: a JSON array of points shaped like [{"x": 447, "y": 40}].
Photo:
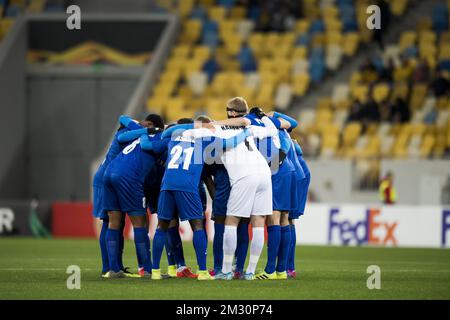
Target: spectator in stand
[
  {"x": 387, "y": 72},
  {"x": 422, "y": 72},
  {"x": 370, "y": 111},
  {"x": 440, "y": 85},
  {"x": 246, "y": 59},
  {"x": 211, "y": 67},
  {"x": 355, "y": 111},
  {"x": 400, "y": 111},
  {"x": 388, "y": 194},
  {"x": 368, "y": 71}
]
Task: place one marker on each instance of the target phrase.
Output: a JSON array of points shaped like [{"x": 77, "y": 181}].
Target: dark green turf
[{"x": 36, "y": 269}]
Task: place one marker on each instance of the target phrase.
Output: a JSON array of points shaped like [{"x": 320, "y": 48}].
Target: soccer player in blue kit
[
  {"x": 124, "y": 193},
  {"x": 174, "y": 246},
  {"x": 179, "y": 190},
  {"x": 126, "y": 124},
  {"x": 302, "y": 191}
]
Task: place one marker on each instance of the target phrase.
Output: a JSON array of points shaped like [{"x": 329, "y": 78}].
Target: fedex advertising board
[{"x": 405, "y": 226}]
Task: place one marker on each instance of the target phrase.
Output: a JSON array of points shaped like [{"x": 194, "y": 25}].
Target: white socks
[
  {"x": 229, "y": 247},
  {"x": 255, "y": 249}
]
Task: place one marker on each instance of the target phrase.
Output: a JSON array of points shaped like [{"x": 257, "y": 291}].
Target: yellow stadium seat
[
  {"x": 238, "y": 12},
  {"x": 164, "y": 89},
  {"x": 5, "y": 25},
  {"x": 401, "y": 90},
  {"x": 176, "y": 108},
  {"x": 351, "y": 133},
  {"x": 334, "y": 38},
  {"x": 418, "y": 96},
  {"x": 181, "y": 51},
  {"x": 299, "y": 53},
  {"x": 217, "y": 13},
  {"x": 156, "y": 104},
  {"x": 191, "y": 31},
  {"x": 381, "y": 92},
  {"x": 302, "y": 26},
  {"x": 185, "y": 7},
  {"x": 360, "y": 92},
  {"x": 427, "y": 145},
  {"x": 301, "y": 83},
  {"x": 324, "y": 116},
  {"x": 201, "y": 52},
  {"x": 350, "y": 43},
  {"x": 398, "y": 7},
  {"x": 444, "y": 51},
  {"x": 407, "y": 39}
]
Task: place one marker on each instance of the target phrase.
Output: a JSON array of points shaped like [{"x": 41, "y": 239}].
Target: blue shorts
[
  {"x": 124, "y": 195},
  {"x": 302, "y": 189},
  {"x": 281, "y": 191},
  {"x": 185, "y": 205},
  {"x": 97, "y": 209}
]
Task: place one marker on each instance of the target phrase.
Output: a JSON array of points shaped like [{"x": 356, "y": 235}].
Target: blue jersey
[
  {"x": 293, "y": 157},
  {"x": 270, "y": 147},
  {"x": 134, "y": 162},
  {"x": 184, "y": 163},
  {"x": 114, "y": 149}
]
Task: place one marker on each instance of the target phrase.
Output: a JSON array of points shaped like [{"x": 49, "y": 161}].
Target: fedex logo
[{"x": 369, "y": 229}]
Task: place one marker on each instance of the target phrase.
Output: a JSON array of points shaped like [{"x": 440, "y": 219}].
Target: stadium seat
[
  {"x": 380, "y": 92},
  {"x": 283, "y": 96},
  {"x": 351, "y": 133},
  {"x": 301, "y": 83},
  {"x": 197, "y": 82}
]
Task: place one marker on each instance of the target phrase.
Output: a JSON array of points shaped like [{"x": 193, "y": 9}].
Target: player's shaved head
[
  {"x": 203, "y": 119},
  {"x": 237, "y": 106}
]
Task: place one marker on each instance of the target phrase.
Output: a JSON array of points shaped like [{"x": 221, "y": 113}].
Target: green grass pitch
[{"x": 36, "y": 269}]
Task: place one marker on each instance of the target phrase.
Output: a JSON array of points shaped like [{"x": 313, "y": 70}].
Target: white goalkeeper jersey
[{"x": 245, "y": 159}]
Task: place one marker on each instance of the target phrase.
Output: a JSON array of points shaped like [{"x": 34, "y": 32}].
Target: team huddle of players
[{"x": 253, "y": 171}]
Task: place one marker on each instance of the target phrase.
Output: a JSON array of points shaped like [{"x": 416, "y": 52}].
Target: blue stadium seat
[
  {"x": 411, "y": 52},
  {"x": 444, "y": 65},
  {"x": 317, "y": 70},
  {"x": 199, "y": 13},
  {"x": 317, "y": 26},
  {"x": 303, "y": 40},
  {"x": 210, "y": 39},
  {"x": 226, "y": 3}
]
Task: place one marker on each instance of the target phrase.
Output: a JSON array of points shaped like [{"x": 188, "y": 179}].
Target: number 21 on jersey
[{"x": 176, "y": 154}]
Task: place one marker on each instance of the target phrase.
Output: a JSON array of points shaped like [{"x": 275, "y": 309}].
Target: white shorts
[{"x": 251, "y": 195}]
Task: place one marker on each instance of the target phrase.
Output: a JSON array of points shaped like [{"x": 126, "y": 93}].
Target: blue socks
[
  {"x": 242, "y": 246},
  {"x": 112, "y": 244},
  {"x": 218, "y": 246},
  {"x": 283, "y": 251},
  {"x": 159, "y": 241},
  {"x": 292, "y": 246},
  {"x": 273, "y": 244},
  {"x": 200, "y": 246},
  {"x": 169, "y": 251},
  {"x": 103, "y": 246},
  {"x": 176, "y": 246},
  {"x": 121, "y": 244},
  {"x": 142, "y": 249}
]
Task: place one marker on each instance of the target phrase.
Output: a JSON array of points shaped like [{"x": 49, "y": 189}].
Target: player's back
[
  {"x": 114, "y": 149},
  {"x": 184, "y": 163},
  {"x": 134, "y": 162},
  {"x": 244, "y": 159}
]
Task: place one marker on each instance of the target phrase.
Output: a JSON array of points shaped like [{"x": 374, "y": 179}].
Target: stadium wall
[
  {"x": 418, "y": 182},
  {"x": 13, "y": 161}
]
